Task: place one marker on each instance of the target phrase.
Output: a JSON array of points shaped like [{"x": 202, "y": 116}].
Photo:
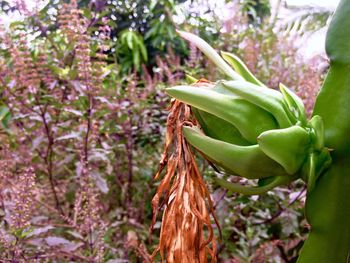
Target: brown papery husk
[{"x": 186, "y": 233}]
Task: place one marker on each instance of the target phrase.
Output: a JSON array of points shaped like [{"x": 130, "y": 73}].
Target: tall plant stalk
[{"x": 328, "y": 206}]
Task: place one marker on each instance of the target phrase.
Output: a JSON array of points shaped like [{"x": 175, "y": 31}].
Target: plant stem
[
  {"x": 48, "y": 158},
  {"x": 328, "y": 212}
]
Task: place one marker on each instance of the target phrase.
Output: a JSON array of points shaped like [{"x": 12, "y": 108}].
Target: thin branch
[
  {"x": 279, "y": 212},
  {"x": 48, "y": 157},
  {"x": 220, "y": 199}
]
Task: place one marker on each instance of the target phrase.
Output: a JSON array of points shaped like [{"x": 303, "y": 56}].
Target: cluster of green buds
[{"x": 250, "y": 130}]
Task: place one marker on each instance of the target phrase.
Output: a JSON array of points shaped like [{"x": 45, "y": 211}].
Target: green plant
[
  {"x": 259, "y": 133},
  {"x": 5, "y": 117},
  {"x": 65, "y": 106},
  {"x": 132, "y": 50}
]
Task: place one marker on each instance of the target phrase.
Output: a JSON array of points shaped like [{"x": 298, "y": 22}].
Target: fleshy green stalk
[{"x": 328, "y": 204}]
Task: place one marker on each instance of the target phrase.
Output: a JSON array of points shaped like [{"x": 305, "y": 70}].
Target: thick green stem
[
  {"x": 328, "y": 204},
  {"x": 328, "y": 212}
]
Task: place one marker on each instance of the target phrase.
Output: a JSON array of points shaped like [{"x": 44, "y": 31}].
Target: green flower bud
[{"x": 250, "y": 130}]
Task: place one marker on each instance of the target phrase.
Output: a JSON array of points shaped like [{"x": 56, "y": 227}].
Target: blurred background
[{"x": 83, "y": 113}]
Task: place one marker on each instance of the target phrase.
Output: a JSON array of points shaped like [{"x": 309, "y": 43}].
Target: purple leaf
[
  {"x": 57, "y": 241},
  {"x": 40, "y": 230}
]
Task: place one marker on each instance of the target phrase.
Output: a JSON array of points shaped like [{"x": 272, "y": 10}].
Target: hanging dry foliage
[{"x": 186, "y": 232}]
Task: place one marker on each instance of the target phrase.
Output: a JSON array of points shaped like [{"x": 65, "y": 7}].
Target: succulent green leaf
[
  {"x": 265, "y": 98},
  {"x": 210, "y": 53},
  {"x": 255, "y": 190},
  {"x": 249, "y": 119},
  {"x": 312, "y": 172},
  {"x": 295, "y": 104},
  {"x": 218, "y": 128},
  {"x": 288, "y": 147},
  {"x": 246, "y": 161},
  {"x": 241, "y": 68},
  {"x": 190, "y": 79},
  {"x": 318, "y": 129}
]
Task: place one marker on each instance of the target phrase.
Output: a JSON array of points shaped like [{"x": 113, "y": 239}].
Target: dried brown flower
[{"x": 186, "y": 231}]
